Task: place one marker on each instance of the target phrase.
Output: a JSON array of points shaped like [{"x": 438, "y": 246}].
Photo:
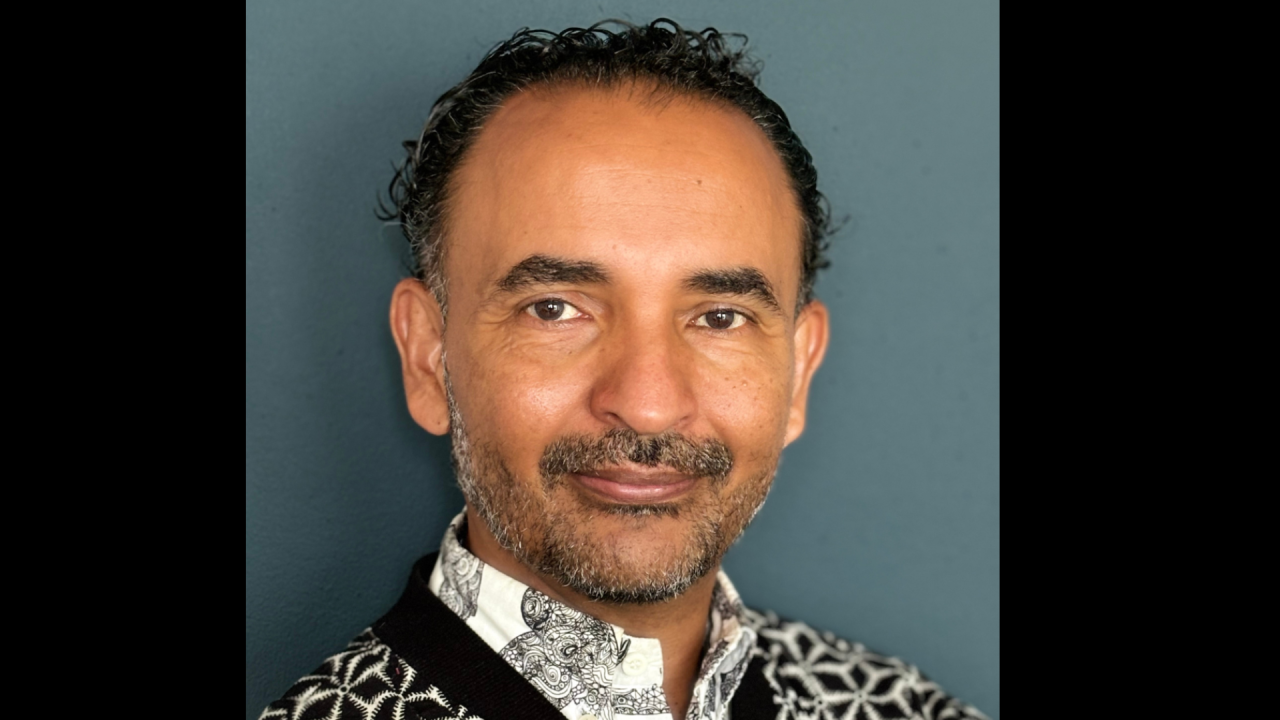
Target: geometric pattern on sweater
[
  {"x": 365, "y": 681},
  {"x": 817, "y": 676},
  {"x": 420, "y": 661},
  {"x": 810, "y": 675}
]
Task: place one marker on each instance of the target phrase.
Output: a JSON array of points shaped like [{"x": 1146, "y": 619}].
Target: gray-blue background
[{"x": 883, "y": 525}]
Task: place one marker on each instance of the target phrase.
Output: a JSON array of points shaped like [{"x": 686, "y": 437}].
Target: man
[{"x": 617, "y": 235}]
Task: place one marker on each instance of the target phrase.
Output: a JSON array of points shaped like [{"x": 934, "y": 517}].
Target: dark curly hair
[{"x": 703, "y": 64}]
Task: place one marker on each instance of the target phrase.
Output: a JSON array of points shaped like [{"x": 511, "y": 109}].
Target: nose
[{"x": 646, "y": 381}]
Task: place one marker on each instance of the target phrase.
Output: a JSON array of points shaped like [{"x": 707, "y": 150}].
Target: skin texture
[{"x": 651, "y": 193}]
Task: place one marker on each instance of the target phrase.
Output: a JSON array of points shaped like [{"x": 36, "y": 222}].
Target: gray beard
[{"x": 544, "y": 536}]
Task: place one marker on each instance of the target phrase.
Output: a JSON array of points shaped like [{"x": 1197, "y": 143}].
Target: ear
[
  {"x": 418, "y": 328},
  {"x": 812, "y": 328}
]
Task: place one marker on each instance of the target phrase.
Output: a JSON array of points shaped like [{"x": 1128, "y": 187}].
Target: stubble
[{"x": 549, "y": 527}]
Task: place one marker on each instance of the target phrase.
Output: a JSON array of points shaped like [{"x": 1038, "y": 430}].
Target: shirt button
[{"x": 635, "y": 664}]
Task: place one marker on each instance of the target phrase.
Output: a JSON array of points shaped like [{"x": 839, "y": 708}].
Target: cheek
[
  {"x": 524, "y": 397},
  {"x": 519, "y": 402},
  {"x": 747, "y": 402}
]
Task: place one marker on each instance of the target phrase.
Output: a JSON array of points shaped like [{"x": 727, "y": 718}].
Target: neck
[{"x": 679, "y": 624}]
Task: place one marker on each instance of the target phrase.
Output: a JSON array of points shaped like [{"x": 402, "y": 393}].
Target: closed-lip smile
[{"x": 640, "y": 485}]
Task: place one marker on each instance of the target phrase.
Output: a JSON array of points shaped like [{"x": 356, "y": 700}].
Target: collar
[{"x": 586, "y": 667}]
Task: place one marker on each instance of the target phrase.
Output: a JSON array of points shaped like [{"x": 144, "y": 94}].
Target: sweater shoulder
[
  {"x": 814, "y": 672},
  {"x": 366, "y": 681}
]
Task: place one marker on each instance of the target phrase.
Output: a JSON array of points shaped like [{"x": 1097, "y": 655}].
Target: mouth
[{"x": 635, "y": 486}]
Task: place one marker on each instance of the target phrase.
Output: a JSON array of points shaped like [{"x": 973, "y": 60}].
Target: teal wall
[{"x": 884, "y": 522}]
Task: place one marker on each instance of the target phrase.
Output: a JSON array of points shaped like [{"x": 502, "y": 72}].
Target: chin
[{"x": 630, "y": 553}]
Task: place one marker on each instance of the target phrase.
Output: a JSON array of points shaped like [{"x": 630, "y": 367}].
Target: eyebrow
[
  {"x": 746, "y": 281},
  {"x": 548, "y": 270}
]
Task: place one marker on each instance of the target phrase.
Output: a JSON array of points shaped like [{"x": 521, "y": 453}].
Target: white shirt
[{"x": 586, "y": 667}]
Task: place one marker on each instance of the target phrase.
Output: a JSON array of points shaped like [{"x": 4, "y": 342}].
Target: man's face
[{"x": 622, "y": 353}]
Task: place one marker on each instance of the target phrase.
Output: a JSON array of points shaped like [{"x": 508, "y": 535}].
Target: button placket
[{"x": 635, "y": 664}]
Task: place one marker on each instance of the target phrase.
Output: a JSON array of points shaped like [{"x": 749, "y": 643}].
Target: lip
[{"x": 639, "y": 487}]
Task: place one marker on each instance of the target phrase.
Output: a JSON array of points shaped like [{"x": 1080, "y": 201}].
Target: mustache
[{"x": 581, "y": 454}]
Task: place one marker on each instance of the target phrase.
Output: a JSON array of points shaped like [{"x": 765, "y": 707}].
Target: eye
[
  {"x": 721, "y": 319},
  {"x": 552, "y": 310}
]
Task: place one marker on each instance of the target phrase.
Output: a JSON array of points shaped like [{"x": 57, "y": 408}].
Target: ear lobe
[
  {"x": 811, "y": 335},
  {"x": 418, "y": 328}
]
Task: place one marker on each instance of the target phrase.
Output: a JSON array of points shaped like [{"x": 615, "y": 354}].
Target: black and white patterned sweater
[{"x": 422, "y": 662}]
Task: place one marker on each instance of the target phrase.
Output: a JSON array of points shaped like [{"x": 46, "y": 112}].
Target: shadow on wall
[{"x": 343, "y": 490}]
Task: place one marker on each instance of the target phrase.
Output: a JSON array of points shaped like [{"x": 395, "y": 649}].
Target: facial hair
[{"x": 545, "y": 524}]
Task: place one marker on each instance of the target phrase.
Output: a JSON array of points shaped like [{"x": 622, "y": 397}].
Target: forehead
[{"x": 614, "y": 176}]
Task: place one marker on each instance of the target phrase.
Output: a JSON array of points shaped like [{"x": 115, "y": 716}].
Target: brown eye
[
  {"x": 553, "y": 309},
  {"x": 548, "y": 309},
  {"x": 721, "y": 319}
]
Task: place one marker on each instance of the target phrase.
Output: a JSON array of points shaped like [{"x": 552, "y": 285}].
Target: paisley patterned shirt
[{"x": 585, "y": 667}]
